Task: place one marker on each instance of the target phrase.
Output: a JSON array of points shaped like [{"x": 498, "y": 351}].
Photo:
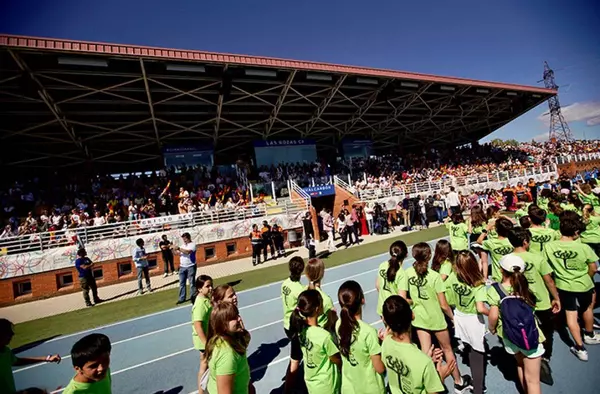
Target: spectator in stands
[
  {"x": 187, "y": 267},
  {"x": 167, "y": 255},
  {"x": 140, "y": 258},
  {"x": 87, "y": 281}
]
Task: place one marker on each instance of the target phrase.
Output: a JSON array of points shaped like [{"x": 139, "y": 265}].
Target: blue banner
[
  {"x": 263, "y": 143},
  {"x": 320, "y": 191}
]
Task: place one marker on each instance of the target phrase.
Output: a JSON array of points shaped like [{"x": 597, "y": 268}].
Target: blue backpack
[{"x": 518, "y": 320}]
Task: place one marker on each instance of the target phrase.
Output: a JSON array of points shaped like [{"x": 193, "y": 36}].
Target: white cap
[{"x": 510, "y": 262}]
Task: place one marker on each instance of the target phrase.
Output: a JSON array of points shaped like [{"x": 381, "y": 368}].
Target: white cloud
[
  {"x": 541, "y": 137},
  {"x": 577, "y": 112}
]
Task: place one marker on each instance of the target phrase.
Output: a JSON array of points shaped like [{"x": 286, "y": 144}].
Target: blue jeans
[
  {"x": 440, "y": 214},
  {"x": 187, "y": 273}
]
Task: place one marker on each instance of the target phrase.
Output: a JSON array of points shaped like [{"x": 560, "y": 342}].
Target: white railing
[
  {"x": 343, "y": 184},
  {"x": 54, "y": 239},
  {"x": 304, "y": 196},
  {"x": 563, "y": 159},
  {"x": 477, "y": 182}
]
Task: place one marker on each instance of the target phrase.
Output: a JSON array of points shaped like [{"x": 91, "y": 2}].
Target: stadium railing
[
  {"x": 563, "y": 159},
  {"x": 53, "y": 239}
]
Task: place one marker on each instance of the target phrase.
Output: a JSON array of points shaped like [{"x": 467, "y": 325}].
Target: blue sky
[{"x": 505, "y": 41}]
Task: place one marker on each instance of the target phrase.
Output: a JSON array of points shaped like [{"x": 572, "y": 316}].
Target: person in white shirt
[
  {"x": 99, "y": 220},
  {"x": 453, "y": 202},
  {"x": 187, "y": 267},
  {"x": 369, "y": 216},
  {"x": 328, "y": 228}
]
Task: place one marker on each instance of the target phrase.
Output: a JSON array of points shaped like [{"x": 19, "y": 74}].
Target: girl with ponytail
[
  {"x": 362, "y": 367},
  {"x": 315, "y": 270},
  {"x": 429, "y": 305},
  {"x": 514, "y": 283},
  {"x": 321, "y": 356},
  {"x": 200, "y": 320},
  {"x": 390, "y": 273}
]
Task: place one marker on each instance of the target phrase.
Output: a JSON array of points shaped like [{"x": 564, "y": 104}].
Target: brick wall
[
  {"x": 47, "y": 284},
  {"x": 340, "y": 196},
  {"x": 573, "y": 168}
]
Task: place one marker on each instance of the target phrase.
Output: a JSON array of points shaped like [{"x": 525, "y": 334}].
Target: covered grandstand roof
[{"x": 65, "y": 103}]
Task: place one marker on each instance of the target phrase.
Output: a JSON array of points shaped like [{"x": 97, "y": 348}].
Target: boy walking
[
  {"x": 91, "y": 361},
  {"x": 140, "y": 259},
  {"x": 86, "y": 277},
  {"x": 9, "y": 360}
]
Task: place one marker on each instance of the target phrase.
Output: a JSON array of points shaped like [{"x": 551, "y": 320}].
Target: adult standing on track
[
  {"x": 453, "y": 202},
  {"x": 167, "y": 255},
  {"x": 187, "y": 267},
  {"x": 86, "y": 277}
]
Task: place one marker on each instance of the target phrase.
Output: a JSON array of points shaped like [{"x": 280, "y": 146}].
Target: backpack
[{"x": 518, "y": 320}]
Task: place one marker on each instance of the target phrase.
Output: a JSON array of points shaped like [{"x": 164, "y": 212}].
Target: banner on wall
[
  {"x": 291, "y": 151},
  {"x": 160, "y": 220},
  {"x": 320, "y": 191}
]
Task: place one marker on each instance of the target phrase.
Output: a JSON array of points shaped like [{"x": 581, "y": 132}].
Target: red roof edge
[{"x": 62, "y": 45}]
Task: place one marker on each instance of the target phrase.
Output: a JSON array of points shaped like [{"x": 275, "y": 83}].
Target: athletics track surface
[{"x": 154, "y": 353}]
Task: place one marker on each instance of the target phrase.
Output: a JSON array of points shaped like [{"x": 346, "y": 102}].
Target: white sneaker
[
  {"x": 165, "y": 275},
  {"x": 580, "y": 354},
  {"x": 175, "y": 272},
  {"x": 593, "y": 340},
  {"x": 140, "y": 292}
]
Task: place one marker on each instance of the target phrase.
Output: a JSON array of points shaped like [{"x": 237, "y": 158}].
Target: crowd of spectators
[{"x": 59, "y": 203}]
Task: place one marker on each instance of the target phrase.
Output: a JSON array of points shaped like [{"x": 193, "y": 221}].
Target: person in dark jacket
[
  {"x": 257, "y": 243},
  {"x": 277, "y": 235},
  {"x": 267, "y": 238}
]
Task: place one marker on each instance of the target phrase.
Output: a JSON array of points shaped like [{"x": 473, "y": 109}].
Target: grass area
[{"x": 67, "y": 323}]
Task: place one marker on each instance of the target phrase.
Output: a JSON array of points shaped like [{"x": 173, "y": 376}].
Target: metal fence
[{"x": 70, "y": 236}]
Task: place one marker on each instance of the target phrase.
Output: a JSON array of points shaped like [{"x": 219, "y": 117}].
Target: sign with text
[
  {"x": 189, "y": 155},
  {"x": 163, "y": 220},
  {"x": 320, "y": 191},
  {"x": 291, "y": 151}
]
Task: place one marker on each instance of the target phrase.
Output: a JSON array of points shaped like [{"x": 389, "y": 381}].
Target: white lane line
[
  {"x": 188, "y": 306},
  {"x": 279, "y": 360}
]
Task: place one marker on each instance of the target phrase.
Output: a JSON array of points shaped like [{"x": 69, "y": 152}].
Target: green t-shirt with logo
[
  {"x": 290, "y": 290},
  {"x": 446, "y": 268},
  {"x": 327, "y": 306},
  {"x": 320, "y": 374},
  {"x": 589, "y": 199},
  {"x": 226, "y": 361},
  {"x": 536, "y": 267},
  {"x": 540, "y": 236},
  {"x": 424, "y": 294},
  {"x": 458, "y": 235},
  {"x": 100, "y": 387},
  {"x": 387, "y": 289},
  {"x": 465, "y": 296},
  {"x": 520, "y": 213},
  {"x": 542, "y": 202},
  {"x": 493, "y": 299},
  {"x": 569, "y": 207},
  {"x": 7, "y": 360},
  {"x": 591, "y": 235},
  {"x": 570, "y": 261},
  {"x": 409, "y": 370},
  {"x": 358, "y": 373},
  {"x": 200, "y": 312},
  {"x": 498, "y": 248},
  {"x": 554, "y": 221}
]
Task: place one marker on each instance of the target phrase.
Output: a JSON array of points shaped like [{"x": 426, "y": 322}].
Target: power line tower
[{"x": 559, "y": 129}]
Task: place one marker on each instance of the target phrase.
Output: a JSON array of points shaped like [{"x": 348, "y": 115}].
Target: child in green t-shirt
[
  {"x": 540, "y": 234},
  {"x": 390, "y": 274},
  {"x": 574, "y": 265},
  {"x": 429, "y": 305},
  {"x": 591, "y": 235},
  {"x": 322, "y": 360},
  {"x": 409, "y": 369},
  {"x": 200, "y": 317},
  {"x": 9, "y": 360},
  {"x": 499, "y": 246},
  {"x": 359, "y": 345},
  {"x": 315, "y": 271},
  {"x": 459, "y": 232},
  {"x": 91, "y": 359}
]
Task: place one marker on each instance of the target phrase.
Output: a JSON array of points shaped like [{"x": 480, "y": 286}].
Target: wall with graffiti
[{"x": 114, "y": 248}]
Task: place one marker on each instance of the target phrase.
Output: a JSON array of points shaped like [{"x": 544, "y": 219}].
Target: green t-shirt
[
  {"x": 358, "y": 373},
  {"x": 520, "y": 213},
  {"x": 320, "y": 374},
  {"x": 458, "y": 235},
  {"x": 200, "y": 312},
  {"x": 591, "y": 235},
  {"x": 387, "y": 289},
  {"x": 424, "y": 294},
  {"x": 477, "y": 230},
  {"x": 290, "y": 291},
  {"x": 542, "y": 202},
  {"x": 498, "y": 248},
  {"x": 446, "y": 268},
  {"x": 589, "y": 199},
  {"x": 540, "y": 236},
  {"x": 226, "y": 361},
  {"x": 570, "y": 261},
  {"x": 7, "y": 360},
  {"x": 568, "y": 207},
  {"x": 493, "y": 299},
  {"x": 99, "y": 387},
  {"x": 409, "y": 370},
  {"x": 466, "y": 296},
  {"x": 536, "y": 267},
  {"x": 554, "y": 221},
  {"x": 327, "y": 306}
]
